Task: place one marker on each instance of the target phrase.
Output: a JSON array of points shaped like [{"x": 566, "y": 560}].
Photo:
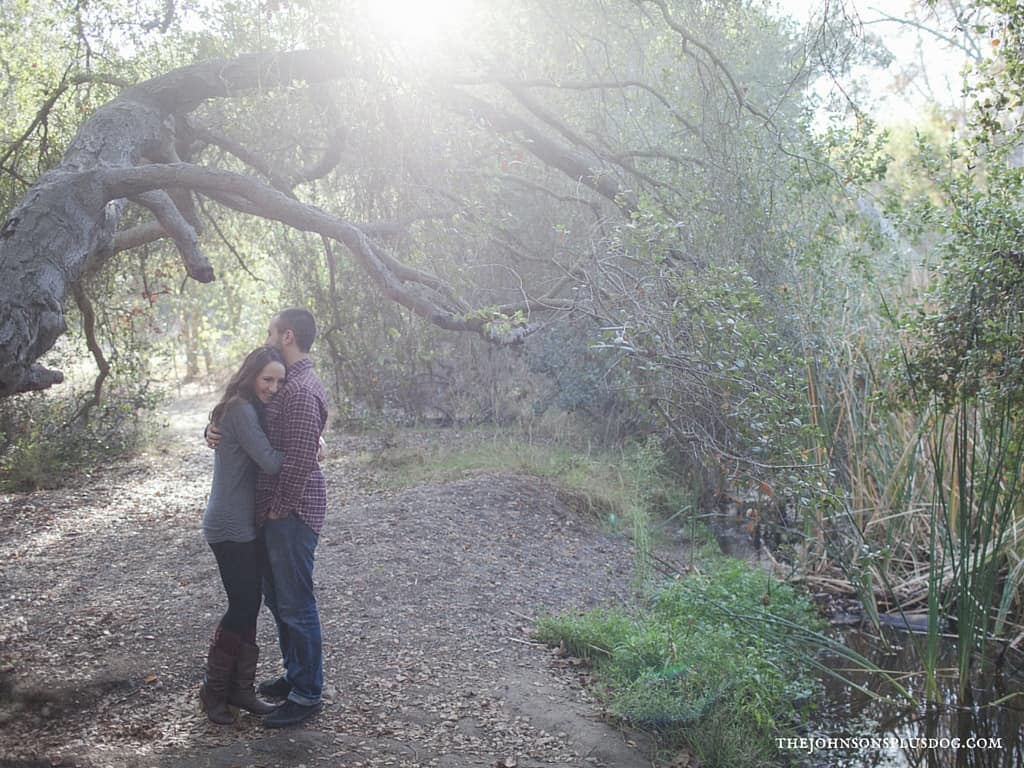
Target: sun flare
[{"x": 419, "y": 24}]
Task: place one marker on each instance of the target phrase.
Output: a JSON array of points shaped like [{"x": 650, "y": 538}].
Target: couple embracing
[{"x": 263, "y": 520}]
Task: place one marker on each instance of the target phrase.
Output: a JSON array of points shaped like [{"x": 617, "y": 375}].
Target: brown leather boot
[
  {"x": 213, "y": 694},
  {"x": 241, "y": 693}
]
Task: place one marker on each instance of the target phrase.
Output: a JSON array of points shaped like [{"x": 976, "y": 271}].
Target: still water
[{"x": 987, "y": 731}]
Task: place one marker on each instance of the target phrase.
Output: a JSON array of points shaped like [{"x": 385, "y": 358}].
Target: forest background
[{"x": 674, "y": 233}]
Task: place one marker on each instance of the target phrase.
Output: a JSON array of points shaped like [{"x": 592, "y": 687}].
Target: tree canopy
[{"x": 635, "y": 117}]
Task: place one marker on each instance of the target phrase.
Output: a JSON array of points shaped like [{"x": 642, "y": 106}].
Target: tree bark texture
[{"x": 65, "y": 226}]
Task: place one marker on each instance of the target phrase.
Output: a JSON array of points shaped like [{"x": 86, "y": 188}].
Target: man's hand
[
  {"x": 321, "y": 453},
  {"x": 213, "y": 435}
]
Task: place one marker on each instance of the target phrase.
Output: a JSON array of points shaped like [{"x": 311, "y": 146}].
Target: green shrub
[
  {"x": 585, "y": 378},
  {"x": 699, "y": 663}
]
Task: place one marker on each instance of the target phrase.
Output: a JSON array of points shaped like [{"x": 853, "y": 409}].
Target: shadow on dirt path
[{"x": 108, "y": 595}]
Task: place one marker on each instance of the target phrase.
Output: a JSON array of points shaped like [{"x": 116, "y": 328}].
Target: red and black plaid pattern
[{"x": 295, "y": 419}]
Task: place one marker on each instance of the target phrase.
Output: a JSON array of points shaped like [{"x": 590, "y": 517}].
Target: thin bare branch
[
  {"x": 551, "y": 152},
  {"x": 43, "y": 113},
  {"x": 586, "y": 85},
  {"x": 720, "y": 65},
  {"x": 102, "y": 364},
  {"x": 230, "y": 246},
  {"x": 971, "y": 52}
]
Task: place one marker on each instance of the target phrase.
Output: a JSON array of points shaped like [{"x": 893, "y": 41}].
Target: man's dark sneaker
[
  {"x": 290, "y": 713},
  {"x": 275, "y": 689}
]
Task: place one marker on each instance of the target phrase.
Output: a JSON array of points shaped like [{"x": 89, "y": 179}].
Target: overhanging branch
[{"x": 247, "y": 195}]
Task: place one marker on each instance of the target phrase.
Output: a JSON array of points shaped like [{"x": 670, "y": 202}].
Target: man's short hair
[{"x": 301, "y": 323}]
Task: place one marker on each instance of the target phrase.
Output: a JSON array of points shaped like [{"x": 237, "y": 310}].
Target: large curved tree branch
[
  {"x": 141, "y": 234},
  {"x": 65, "y": 225},
  {"x": 180, "y": 230},
  {"x": 68, "y": 224},
  {"x": 247, "y": 195}
]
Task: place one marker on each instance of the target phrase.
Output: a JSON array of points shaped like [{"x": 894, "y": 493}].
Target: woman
[{"x": 229, "y": 526}]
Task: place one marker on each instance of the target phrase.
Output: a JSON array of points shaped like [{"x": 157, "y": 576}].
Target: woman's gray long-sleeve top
[{"x": 231, "y": 510}]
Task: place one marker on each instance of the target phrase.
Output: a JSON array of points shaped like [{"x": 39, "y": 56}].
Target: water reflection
[{"x": 977, "y": 733}]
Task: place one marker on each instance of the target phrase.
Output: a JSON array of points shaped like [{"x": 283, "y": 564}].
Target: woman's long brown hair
[{"x": 243, "y": 384}]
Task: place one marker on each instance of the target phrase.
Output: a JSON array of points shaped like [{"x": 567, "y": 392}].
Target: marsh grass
[{"x": 977, "y": 509}]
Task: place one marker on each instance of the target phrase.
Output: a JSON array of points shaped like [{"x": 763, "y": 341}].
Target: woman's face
[{"x": 268, "y": 381}]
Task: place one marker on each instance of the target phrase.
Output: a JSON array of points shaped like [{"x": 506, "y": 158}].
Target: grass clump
[
  {"x": 702, "y": 662},
  {"x": 485, "y": 450},
  {"x": 614, "y": 486}
]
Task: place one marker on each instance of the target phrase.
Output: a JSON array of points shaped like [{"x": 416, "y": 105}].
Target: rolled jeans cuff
[{"x": 303, "y": 700}]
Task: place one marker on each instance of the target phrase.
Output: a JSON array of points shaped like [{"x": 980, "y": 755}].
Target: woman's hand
[
  {"x": 321, "y": 454},
  {"x": 213, "y": 435}
]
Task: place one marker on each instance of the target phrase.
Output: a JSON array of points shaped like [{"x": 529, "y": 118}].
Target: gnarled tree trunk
[{"x": 66, "y": 225}]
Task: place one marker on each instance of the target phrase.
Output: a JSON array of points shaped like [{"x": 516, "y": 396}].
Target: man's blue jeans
[{"x": 288, "y": 592}]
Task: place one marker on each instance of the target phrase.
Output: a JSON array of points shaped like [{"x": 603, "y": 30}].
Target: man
[{"x": 291, "y": 506}]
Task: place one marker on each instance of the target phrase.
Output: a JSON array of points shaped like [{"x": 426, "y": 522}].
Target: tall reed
[
  {"x": 977, "y": 504},
  {"x": 932, "y": 514}
]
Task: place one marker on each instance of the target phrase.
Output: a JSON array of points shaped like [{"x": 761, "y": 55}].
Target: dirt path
[{"x": 108, "y": 595}]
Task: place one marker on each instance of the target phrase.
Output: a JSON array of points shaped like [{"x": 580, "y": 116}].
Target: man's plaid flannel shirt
[{"x": 295, "y": 418}]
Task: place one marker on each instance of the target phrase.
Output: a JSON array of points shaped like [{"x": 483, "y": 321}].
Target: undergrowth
[
  {"x": 699, "y": 663},
  {"x": 46, "y": 442}
]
